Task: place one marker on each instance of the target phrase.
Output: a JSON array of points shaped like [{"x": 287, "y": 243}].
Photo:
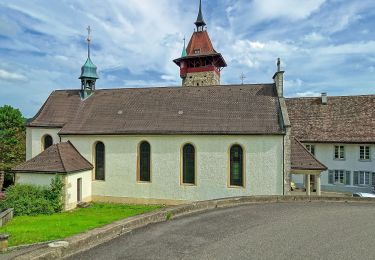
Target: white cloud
[
  {"x": 314, "y": 37},
  {"x": 308, "y": 94},
  {"x": 6, "y": 75},
  {"x": 290, "y": 9}
]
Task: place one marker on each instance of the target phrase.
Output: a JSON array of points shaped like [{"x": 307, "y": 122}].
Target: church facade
[{"x": 194, "y": 142}]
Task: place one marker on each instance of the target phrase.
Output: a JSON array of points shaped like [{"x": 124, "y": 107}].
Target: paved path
[{"x": 311, "y": 230}]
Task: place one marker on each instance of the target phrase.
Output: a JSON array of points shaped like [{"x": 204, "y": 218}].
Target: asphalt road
[{"x": 311, "y": 230}]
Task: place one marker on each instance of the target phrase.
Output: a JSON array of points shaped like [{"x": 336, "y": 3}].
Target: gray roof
[{"x": 235, "y": 109}]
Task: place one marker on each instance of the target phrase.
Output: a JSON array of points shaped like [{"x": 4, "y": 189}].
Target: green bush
[{"x": 34, "y": 200}]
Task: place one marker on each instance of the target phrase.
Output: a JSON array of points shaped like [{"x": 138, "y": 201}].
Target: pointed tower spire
[
  {"x": 184, "y": 53},
  {"x": 200, "y": 21},
  {"x": 89, "y": 73}
]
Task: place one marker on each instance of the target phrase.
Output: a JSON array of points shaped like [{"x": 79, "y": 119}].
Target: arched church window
[
  {"x": 236, "y": 166},
  {"x": 188, "y": 164},
  {"x": 99, "y": 161},
  {"x": 144, "y": 174},
  {"x": 47, "y": 141}
]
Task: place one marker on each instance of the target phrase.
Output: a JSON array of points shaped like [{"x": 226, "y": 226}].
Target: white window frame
[
  {"x": 340, "y": 177},
  {"x": 340, "y": 152},
  {"x": 311, "y": 148},
  {"x": 365, "y": 178},
  {"x": 364, "y": 153}
]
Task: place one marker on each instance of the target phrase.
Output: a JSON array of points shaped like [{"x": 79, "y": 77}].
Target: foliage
[
  {"x": 33, "y": 229},
  {"x": 34, "y": 200},
  {"x": 12, "y": 139},
  {"x": 55, "y": 193}
]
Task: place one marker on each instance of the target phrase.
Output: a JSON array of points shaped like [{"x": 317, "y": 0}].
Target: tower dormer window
[{"x": 197, "y": 51}]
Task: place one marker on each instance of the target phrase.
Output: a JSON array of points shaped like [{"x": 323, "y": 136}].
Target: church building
[{"x": 168, "y": 145}]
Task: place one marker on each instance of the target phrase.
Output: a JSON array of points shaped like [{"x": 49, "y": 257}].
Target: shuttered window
[
  {"x": 188, "y": 164},
  {"x": 363, "y": 178},
  {"x": 339, "y": 177},
  {"x": 99, "y": 161},
  {"x": 144, "y": 162},
  {"x": 47, "y": 141},
  {"x": 236, "y": 166}
]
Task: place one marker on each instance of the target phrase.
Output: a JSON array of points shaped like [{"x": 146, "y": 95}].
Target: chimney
[
  {"x": 278, "y": 78},
  {"x": 324, "y": 98}
]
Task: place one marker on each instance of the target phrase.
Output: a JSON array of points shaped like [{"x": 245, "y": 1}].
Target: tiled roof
[
  {"x": 201, "y": 41},
  {"x": 58, "y": 158},
  {"x": 302, "y": 159},
  {"x": 236, "y": 109},
  {"x": 346, "y": 119}
]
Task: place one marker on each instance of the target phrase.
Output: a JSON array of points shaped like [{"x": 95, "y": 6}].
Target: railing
[{"x": 6, "y": 216}]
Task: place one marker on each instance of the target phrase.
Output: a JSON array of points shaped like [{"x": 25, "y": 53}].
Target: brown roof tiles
[
  {"x": 236, "y": 109},
  {"x": 302, "y": 159},
  {"x": 346, "y": 119},
  {"x": 58, "y": 158}
]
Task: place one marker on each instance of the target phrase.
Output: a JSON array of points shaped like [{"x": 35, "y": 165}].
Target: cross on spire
[{"x": 88, "y": 40}]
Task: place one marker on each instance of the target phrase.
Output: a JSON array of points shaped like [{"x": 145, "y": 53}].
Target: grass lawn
[{"x": 28, "y": 230}]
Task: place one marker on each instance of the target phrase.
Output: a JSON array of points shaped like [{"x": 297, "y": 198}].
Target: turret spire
[
  {"x": 88, "y": 40},
  {"x": 184, "y": 53},
  {"x": 89, "y": 73},
  {"x": 200, "y": 21}
]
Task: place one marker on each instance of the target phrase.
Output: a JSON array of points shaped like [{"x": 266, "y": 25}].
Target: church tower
[
  {"x": 200, "y": 64},
  {"x": 88, "y": 72}
]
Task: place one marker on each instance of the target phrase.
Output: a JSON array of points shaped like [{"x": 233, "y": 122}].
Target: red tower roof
[{"x": 200, "y": 44}]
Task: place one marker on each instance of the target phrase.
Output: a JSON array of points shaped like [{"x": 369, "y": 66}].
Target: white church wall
[
  {"x": 71, "y": 188},
  {"x": 34, "y": 135},
  {"x": 34, "y": 179},
  {"x": 263, "y": 160}
]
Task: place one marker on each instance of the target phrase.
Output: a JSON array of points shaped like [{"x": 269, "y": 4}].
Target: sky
[{"x": 324, "y": 45}]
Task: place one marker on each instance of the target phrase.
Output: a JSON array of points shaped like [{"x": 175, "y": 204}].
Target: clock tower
[{"x": 200, "y": 64}]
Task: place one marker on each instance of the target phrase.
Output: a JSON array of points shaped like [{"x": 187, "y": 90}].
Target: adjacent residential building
[
  {"x": 340, "y": 132},
  {"x": 171, "y": 145}
]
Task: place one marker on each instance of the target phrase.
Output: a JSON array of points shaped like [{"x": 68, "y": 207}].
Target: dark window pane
[
  {"x": 188, "y": 164},
  {"x": 48, "y": 141},
  {"x": 236, "y": 166},
  {"x": 99, "y": 161},
  {"x": 145, "y": 162}
]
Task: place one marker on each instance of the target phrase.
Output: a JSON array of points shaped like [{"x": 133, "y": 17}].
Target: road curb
[{"x": 95, "y": 237}]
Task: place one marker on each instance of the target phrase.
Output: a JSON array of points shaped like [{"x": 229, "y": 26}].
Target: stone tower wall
[{"x": 198, "y": 79}]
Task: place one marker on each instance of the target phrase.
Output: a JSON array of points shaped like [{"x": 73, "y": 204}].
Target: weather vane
[
  {"x": 88, "y": 40},
  {"x": 242, "y": 77}
]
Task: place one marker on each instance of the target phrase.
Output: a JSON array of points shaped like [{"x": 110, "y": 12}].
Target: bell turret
[{"x": 89, "y": 73}]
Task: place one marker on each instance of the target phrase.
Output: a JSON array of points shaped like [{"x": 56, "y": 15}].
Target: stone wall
[{"x": 198, "y": 79}]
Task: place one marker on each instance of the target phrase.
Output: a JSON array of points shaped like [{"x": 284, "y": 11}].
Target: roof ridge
[
  {"x": 312, "y": 156},
  {"x": 341, "y": 96},
  {"x": 61, "y": 159},
  {"x": 79, "y": 152},
  {"x": 174, "y": 87}
]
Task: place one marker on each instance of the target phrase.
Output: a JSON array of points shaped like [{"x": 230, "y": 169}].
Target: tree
[{"x": 12, "y": 139}]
